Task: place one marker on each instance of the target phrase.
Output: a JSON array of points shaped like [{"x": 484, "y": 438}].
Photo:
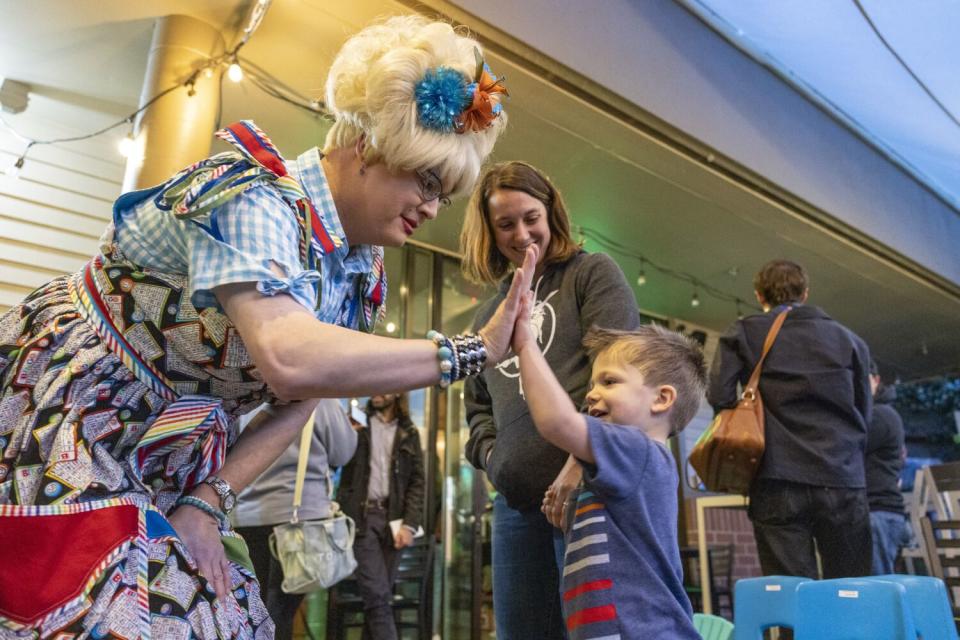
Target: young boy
[{"x": 622, "y": 576}]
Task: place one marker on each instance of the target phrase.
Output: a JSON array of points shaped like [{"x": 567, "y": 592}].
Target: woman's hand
[
  {"x": 201, "y": 536},
  {"x": 497, "y": 332},
  {"x": 557, "y": 498}
]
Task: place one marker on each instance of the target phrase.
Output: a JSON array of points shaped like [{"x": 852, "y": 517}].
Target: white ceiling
[{"x": 89, "y": 56}]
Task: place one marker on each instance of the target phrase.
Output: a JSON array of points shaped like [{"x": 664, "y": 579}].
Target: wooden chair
[
  {"x": 936, "y": 491},
  {"x": 942, "y": 541}
]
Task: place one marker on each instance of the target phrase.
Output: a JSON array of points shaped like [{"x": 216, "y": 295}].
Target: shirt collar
[{"x": 309, "y": 170}]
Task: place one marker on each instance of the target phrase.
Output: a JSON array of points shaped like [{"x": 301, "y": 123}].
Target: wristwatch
[{"x": 228, "y": 499}]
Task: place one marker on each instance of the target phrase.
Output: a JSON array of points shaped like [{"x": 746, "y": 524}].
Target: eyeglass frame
[{"x": 425, "y": 177}]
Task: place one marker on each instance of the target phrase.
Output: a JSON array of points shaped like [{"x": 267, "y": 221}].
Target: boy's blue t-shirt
[{"x": 622, "y": 576}]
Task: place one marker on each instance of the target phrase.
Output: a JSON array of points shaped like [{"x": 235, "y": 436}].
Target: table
[{"x": 708, "y": 502}]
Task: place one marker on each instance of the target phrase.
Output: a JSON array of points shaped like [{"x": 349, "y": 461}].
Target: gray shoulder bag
[{"x": 314, "y": 554}]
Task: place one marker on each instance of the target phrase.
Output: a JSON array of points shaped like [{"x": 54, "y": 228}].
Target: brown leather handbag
[{"x": 727, "y": 454}]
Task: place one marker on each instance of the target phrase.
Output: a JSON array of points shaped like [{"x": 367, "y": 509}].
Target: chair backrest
[
  {"x": 847, "y": 608},
  {"x": 942, "y": 541},
  {"x": 945, "y": 479},
  {"x": 721, "y": 567},
  {"x": 762, "y": 603},
  {"x": 712, "y": 627},
  {"x": 929, "y": 604}
]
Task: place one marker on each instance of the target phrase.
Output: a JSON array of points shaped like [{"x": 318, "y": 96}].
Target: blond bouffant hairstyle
[
  {"x": 482, "y": 261},
  {"x": 370, "y": 92}
]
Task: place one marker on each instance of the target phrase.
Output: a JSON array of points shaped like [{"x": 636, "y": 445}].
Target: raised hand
[{"x": 498, "y": 331}]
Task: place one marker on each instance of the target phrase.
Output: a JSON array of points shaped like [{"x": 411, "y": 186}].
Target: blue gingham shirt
[{"x": 239, "y": 241}]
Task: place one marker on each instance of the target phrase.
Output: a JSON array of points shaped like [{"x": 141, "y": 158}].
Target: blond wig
[{"x": 370, "y": 92}]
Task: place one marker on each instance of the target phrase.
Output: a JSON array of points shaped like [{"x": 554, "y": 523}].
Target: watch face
[{"x": 229, "y": 502}]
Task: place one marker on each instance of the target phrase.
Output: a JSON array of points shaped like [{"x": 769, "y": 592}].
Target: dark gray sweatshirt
[{"x": 587, "y": 290}]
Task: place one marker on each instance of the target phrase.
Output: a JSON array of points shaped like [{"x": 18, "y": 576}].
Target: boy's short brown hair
[
  {"x": 662, "y": 356},
  {"x": 781, "y": 282}
]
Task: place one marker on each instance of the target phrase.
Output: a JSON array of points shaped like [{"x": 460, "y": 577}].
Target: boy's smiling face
[{"x": 619, "y": 394}]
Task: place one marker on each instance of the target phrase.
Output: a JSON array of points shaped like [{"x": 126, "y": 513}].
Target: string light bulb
[
  {"x": 391, "y": 327},
  {"x": 642, "y": 276},
  {"x": 695, "y": 300},
  {"x": 235, "y": 71},
  {"x": 126, "y": 145},
  {"x": 14, "y": 170}
]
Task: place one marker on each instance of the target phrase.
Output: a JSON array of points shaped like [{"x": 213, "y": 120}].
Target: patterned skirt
[{"x": 85, "y": 548}]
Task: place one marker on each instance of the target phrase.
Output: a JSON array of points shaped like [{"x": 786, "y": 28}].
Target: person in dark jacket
[
  {"x": 810, "y": 487},
  {"x": 884, "y": 462},
  {"x": 383, "y": 483}
]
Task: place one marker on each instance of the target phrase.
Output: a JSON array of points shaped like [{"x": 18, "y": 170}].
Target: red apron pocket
[{"x": 48, "y": 560}]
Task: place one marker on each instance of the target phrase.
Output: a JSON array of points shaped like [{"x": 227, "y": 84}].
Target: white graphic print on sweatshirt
[{"x": 543, "y": 319}]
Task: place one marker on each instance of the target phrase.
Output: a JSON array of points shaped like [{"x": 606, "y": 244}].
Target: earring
[{"x": 363, "y": 168}]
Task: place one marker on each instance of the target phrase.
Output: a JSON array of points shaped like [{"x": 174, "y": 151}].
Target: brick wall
[{"x": 727, "y": 526}]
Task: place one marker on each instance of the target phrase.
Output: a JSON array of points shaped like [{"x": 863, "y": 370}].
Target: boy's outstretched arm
[{"x": 553, "y": 412}]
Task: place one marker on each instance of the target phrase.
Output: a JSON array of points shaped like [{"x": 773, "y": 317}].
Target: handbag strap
[
  {"x": 767, "y": 344},
  {"x": 306, "y": 436}
]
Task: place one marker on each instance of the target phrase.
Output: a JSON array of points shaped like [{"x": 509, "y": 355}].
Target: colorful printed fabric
[
  {"x": 78, "y": 427},
  {"x": 116, "y": 390},
  {"x": 145, "y": 586}
]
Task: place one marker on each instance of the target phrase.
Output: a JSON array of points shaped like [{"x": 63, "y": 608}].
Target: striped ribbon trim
[
  {"x": 182, "y": 424},
  {"x": 85, "y": 294},
  {"x": 143, "y": 581},
  {"x": 61, "y": 509},
  {"x": 254, "y": 144}
]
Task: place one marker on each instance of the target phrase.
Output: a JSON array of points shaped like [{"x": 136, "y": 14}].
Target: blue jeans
[
  {"x": 527, "y": 554},
  {"x": 890, "y": 533}
]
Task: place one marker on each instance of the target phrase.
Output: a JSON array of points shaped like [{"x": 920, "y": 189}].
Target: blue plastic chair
[
  {"x": 848, "y": 608},
  {"x": 929, "y": 604},
  {"x": 712, "y": 627},
  {"x": 762, "y": 603}
]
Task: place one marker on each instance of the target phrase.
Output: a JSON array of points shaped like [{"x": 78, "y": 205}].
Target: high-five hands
[{"x": 498, "y": 331}]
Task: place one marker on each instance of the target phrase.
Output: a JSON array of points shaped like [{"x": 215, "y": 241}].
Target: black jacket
[
  {"x": 884, "y": 454},
  {"x": 815, "y": 390},
  {"x": 406, "y": 478}
]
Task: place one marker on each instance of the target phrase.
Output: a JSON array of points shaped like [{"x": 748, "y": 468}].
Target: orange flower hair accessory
[{"x": 485, "y": 106}]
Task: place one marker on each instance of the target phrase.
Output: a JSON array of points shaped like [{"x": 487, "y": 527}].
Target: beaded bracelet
[
  {"x": 471, "y": 354},
  {"x": 460, "y": 356},
  {"x": 445, "y": 355},
  {"x": 203, "y": 505}
]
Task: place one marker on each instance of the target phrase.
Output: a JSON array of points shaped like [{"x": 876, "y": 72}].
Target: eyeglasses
[{"x": 431, "y": 187}]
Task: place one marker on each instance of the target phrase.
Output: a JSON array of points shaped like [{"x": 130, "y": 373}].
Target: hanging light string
[
  {"x": 262, "y": 79},
  {"x": 698, "y": 285}
]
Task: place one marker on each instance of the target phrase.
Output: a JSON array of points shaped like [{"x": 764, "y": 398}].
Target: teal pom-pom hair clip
[{"x": 441, "y": 96}]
